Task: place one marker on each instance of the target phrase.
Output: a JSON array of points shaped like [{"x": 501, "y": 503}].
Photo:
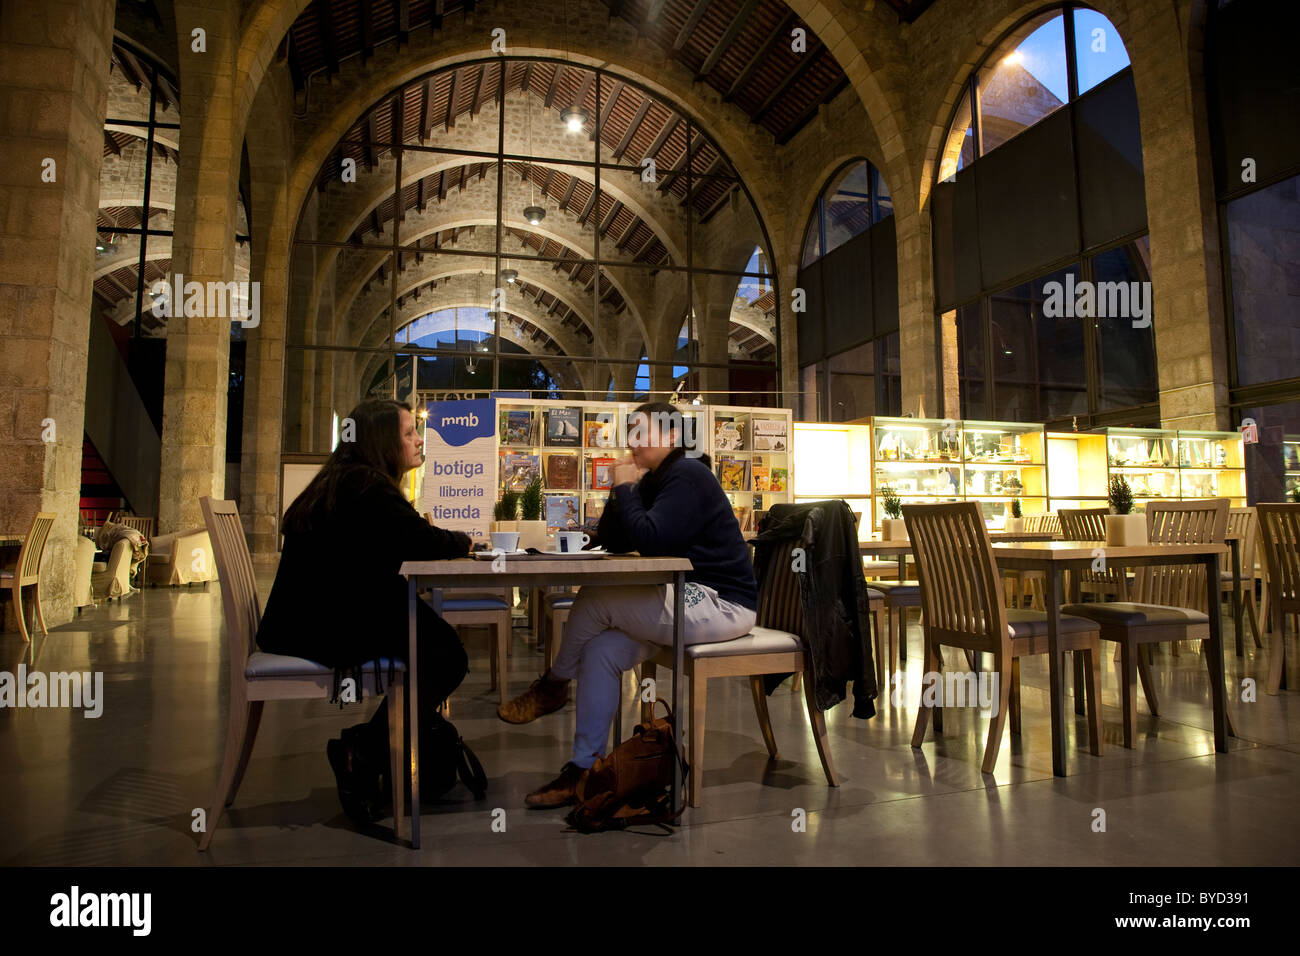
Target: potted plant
[
  {"x": 532, "y": 526},
  {"x": 892, "y": 526},
  {"x": 505, "y": 513},
  {"x": 1122, "y": 526},
  {"x": 1016, "y": 523}
]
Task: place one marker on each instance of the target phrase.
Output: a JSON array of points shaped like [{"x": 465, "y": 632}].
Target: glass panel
[
  {"x": 889, "y": 378},
  {"x": 809, "y": 385},
  {"x": 1014, "y": 371},
  {"x": 1098, "y": 49},
  {"x": 959, "y": 148},
  {"x": 1023, "y": 81},
  {"x": 1264, "y": 245},
  {"x": 852, "y": 383},
  {"x": 848, "y": 206},
  {"x": 1062, "y": 374},
  {"x": 1273, "y": 464},
  {"x": 970, "y": 360},
  {"x": 884, "y": 200},
  {"x": 1127, "y": 355},
  {"x": 812, "y": 246}
]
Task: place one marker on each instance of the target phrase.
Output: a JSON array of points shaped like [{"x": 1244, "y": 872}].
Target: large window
[
  {"x": 853, "y": 200},
  {"x": 525, "y": 224},
  {"x": 1039, "y": 66}
]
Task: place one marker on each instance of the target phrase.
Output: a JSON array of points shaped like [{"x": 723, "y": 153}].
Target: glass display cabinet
[
  {"x": 1291, "y": 466},
  {"x": 1212, "y": 465},
  {"x": 920, "y": 459},
  {"x": 1147, "y": 458},
  {"x": 1076, "y": 470},
  {"x": 1002, "y": 462},
  {"x": 833, "y": 460}
]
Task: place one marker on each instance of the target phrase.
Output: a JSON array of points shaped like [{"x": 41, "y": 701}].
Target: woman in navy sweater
[{"x": 676, "y": 509}]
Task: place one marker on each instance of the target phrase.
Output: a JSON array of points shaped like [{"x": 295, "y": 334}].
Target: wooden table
[
  {"x": 536, "y": 571},
  {"x": 1054, "y": 557}
]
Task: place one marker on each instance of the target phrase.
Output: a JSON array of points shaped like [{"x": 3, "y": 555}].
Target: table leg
[
  {"x": 679, "y": 668},
  {"x": 902, "y": 611},
  {"x": 1214, "y": 653},
  {"x": 1235, "y": 545},
  {"x": 413, "y": 707},
  {"x": 1055, "y": 666}
]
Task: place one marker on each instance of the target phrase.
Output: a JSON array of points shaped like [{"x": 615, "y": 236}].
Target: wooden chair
[
  {"x": 963, "y": 605},
  {"x": 493, "y": 610},
  {"x": 555, "y": 613},
  {"x": 1089, "y": 524},
  {"x": 256, "y": 677},
  {"x": 1245, "y": 522},
  {"x": 1168, "y": 601},
  {"x": 774, "y": 646},
  {"x": 136, "y": 522},
  {"x": 27, "y": 572},
  {"x": 1279, "y": 536}
]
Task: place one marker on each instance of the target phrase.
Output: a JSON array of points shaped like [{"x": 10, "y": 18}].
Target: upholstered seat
[
  {"x": 474, "y": 604},
  {"x": 898, "y": 590},
  {"x": 264, "y": 666},
  {"x": 1029, "y": 623},
  {"x": 761, "y": 640},
  {"x": 1128, "y": 614}
]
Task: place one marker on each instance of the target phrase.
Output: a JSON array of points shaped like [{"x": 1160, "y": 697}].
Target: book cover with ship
[
  {"x": 562, "y": 470},
  {"x": 601, "y": 477},
  {"x": 562, "y": 513},
  {"x": 769, "y": 434},
  {"x": 518, "y": 470},
  {"x": 564, "y": 427},
  {"x": 731, "y": 473},
  {"x": 517, "y": 427}
]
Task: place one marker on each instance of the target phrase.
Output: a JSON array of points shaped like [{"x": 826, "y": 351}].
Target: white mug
[
  {"x": 505, "y": 541},
  {"x": 570, "y": 541}
]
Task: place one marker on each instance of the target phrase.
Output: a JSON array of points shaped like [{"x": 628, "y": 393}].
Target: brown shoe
[
  {"x": 560, "y": 792},
  {"x": 543, "y": 697}
]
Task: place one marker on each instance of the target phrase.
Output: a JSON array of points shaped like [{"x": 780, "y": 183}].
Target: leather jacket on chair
[{"x": 837, "y": 628}]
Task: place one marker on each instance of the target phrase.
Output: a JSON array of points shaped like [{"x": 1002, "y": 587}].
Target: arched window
[
  {"x": 853, "y": 199},
  {"x": 1046, "y": 61}
]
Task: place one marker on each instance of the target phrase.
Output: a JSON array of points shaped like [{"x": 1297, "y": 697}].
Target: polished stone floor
[{"x": 120, "y": 789}]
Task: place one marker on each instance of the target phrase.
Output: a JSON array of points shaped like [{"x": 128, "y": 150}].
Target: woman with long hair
[{"x": 339, "y": 600}]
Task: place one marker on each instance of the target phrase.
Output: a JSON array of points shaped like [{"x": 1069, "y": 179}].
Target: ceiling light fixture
[
  {"x": 534, "y": 214},
  {"x": 574, "y": 118},
  {"x": 510, "y": 275}
]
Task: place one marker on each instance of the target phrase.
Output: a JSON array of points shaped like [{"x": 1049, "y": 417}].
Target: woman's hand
[{"x": 625, "y": 471}]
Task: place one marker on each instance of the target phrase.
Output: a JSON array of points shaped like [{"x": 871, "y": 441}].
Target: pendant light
[{"x": 533, "y": 213}]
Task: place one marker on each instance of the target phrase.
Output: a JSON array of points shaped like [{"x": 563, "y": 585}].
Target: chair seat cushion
[
  {"x": 1030, "y": 623},
  {"x": 99, "y": 566},
  {"x": 873, "y": 594},
  {"x": 880, "y": 567},
  {"x": 9, "y": 575},
  {"x": 1127, "y": 614},
  {"x": 474, "y": 604},
  {"x": 562, "y": 602},
  {"x": 264, "y": 666},
  {"x": 564, "y": 598},
  {"x": 761, "y": 640}
]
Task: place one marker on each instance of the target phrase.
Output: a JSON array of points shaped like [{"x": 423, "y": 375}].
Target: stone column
[
  {"x": 198, "y": 347},
  {"x": 54, "y": 62},
  {"x": 928, "y": 366}
]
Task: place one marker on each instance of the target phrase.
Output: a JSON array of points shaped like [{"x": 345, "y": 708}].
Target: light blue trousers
[{"x": 612, "y": 629}]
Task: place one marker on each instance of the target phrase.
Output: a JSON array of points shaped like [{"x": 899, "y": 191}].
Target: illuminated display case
[
  {"x": 1076, "y": 470},
  {"x": 928, "y": 461},
  {"x": 1212, "y": 465},
  {"x": 1291, "y": 466},
  {"x": 833, "y": 460},
  {"x": 1148, "y": 460}
]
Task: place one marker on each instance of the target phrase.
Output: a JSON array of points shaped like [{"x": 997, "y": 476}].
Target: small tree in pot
[
  {"x": 506, "y": 512},
  {"x": 892, "y": 527},
  {"x": 1123, "y": 527},
  {"x": 532, "y": 526}
]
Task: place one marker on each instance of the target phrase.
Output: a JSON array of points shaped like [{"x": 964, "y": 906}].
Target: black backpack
[{"x": 444, "y": 756}]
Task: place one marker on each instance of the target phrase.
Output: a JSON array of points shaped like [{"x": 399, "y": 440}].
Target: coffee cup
[
  {"x": 505, "y": 540},
  {"x": 570, "y": 541}
]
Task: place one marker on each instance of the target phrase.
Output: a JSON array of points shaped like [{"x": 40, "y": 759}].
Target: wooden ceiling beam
[
  {"x": 367, "y": 31},
  {"x": 449, "y": 121},
  {"x": 608, "y": 105},
  {"x": 692, "y": 21},
  {"x": 738, "y": 23},
  {"x": 426, "y": 117},
  {"x": 553, "y": 87},
  {"x": 632, "y": 127},
  {"x": 665, "y": 131},
  {"x": 791, "y": 78},
  {"x": 782, "y": 30},
  {"x": 325, "y": 22}
]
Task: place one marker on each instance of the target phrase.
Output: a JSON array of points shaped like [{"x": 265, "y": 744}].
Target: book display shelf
[{"x": 574, "y": 445}]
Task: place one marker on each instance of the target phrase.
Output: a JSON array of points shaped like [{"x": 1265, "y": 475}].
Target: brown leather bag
[{"x": 631, "y": 785}]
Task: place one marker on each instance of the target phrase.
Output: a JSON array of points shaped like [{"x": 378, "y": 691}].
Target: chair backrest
[
  {"x": 780, "y": 600},
  {"x": 138, "y": 523},
  {"x": 1279, "y": 539},
  {"x": 1180, "y": 522},
  {"x": 33, "y": 551},
  {"x": 1083, "y": 524},
  {"x": 1051, "y": 523},
  {"x": 962, "y": 601},
  {"x": 238, "y": 586},
  {"x": 1245, "y": 522}
]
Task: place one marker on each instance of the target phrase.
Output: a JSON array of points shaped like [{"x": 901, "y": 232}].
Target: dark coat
[
  {"x": 837, "y": 626},
  {"x": 338, "y": 598}
]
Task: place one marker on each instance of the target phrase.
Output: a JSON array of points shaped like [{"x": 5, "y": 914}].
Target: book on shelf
[
  {"x": 770, "y": 443},
  {"x": 762, "y": 476},
  {"x": 562, "y": 470},
  {"x": 601, "y": 475},
  {"x": 517, "y": 427},
  {"x": 778, "y": 479},
  {"x": 732, "y": 473},
  {"x": 598, "y": 430},
  {"x": 517, "y": 470},
  {"x": 561, "y": 512},
  {"x": 592, "y": 509},
  {"x": 728, "y": 435},
  {"x": 769, "y": 426},
  {"x": 564, "y": 427},
  {"x": 744, "y": 517}
]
